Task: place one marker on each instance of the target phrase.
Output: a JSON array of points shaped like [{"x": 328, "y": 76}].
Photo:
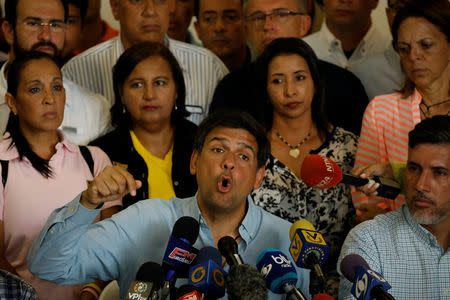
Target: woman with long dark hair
[
  {"x": 41, "y": 170},
  {"x": 296, "y": 127}
]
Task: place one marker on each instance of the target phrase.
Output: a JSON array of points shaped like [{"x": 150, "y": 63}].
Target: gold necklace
[{"x": 294, "y": 152}]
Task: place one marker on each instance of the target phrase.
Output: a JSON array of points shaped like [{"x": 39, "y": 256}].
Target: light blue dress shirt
[
  {"x": 71, "y": 250},
  {"x": 404, "y": 253}
]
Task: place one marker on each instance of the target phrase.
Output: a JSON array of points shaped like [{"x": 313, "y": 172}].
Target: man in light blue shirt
[
  {"x": 410, "y": 247},
  {"x": 230, "y": 152}
]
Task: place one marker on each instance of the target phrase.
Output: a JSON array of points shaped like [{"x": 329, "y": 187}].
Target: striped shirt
[
  {"x": 384, "y": 137},
  {"x": 202, "y": 70},
  {"x": 406, "y": 254}
]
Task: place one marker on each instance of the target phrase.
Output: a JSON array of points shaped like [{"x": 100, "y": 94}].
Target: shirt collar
[
  {"x": 249, "y": 226},
  {"x": 333, "y": 42},
  {"x": 424, "y": 235},
  {"x": 10, "y": 153}
]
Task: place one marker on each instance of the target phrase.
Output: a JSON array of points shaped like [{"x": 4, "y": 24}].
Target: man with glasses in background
[
  {"x": 32, "y": 25},
  {"x": 220, "y": 26},
  {"x": 267, "y": 20}
]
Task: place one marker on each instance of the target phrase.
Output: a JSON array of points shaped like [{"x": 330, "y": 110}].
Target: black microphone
[
  {"x": 148, "y": 281},
  {"x": 244, "y": 282},
  {"x": 179, "y": 252},
  {"x": 187, "y": 292},
  {"x": 367, "y": 284},
  {"x": 229, "y": 249}
]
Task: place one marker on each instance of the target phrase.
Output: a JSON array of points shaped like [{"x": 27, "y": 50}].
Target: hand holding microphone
[
  {"x": 321, "y": 172},
  {"x": 367, "y": 284}
]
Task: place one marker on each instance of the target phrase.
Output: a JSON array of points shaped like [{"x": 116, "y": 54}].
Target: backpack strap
[
  {"x": 4, "y": 164},
  {"x": 87, "y": 155}
]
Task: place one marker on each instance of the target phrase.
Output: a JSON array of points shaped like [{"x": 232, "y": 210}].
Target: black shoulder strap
[
  {"x": 4, "y": 164},
  {"x": 88, "y": 158}
]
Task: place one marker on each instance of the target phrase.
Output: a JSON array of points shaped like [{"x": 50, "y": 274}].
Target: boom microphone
[
  {"x": 229, "y": 249},
  {"x": 207, "y": 276},
  {"x": 321, "y": 172},
  {"x": 179, "y": 252},
  {"x": 309, "y": 250},
  {"x": 148, "y": 281},
  {"x": 367, "y": 284},
  {"x": 280, "y": 274},
  {"x": 244, "y": 282}
]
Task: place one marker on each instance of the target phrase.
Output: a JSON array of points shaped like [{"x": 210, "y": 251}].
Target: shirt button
[
  {"x": 252, "y": 234},
  {"x": 51, "y": 231},
  {"x": 175, "y": 183},
  {"x": 73, "y": 209},
  {"x": 201, "y": 221}
]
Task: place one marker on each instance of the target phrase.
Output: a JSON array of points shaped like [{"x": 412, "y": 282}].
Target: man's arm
[
  {"x": 70, "y": 249},
  {"x": 359, "y": 241}
]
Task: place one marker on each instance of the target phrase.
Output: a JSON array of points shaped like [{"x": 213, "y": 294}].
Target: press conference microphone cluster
[
  {"x": 243, "y": 282},
  {"x": 207, "y": 276},
  {"x": 279, "y": 273},
  {"x": 367, "y": 284},
  {"x": 309, "y": 250},
  {"x": 148, "y": 281},
  {"x": 179, "y": 252},
  {"x": 321, "y": 172}
]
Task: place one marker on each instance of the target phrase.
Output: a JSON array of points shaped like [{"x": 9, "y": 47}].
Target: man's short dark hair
[
  {"x": 82, "y": 6},
  {"x": 431, "y": 131},
  {"x": 197, "y": 7},
  {"x": 237, "y": 120},
  {"x": 11, "y": 11}
]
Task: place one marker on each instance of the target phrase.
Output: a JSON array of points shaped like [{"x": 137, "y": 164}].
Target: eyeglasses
[
  {"x": 36, "y": 25},
  {"x": 280, "y": 16}
]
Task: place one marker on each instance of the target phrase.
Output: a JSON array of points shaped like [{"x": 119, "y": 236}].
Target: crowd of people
[{"x": 95, "y": 120}]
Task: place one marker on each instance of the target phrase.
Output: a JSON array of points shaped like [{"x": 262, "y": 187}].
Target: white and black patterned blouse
[{"x": 331, "y": 210}]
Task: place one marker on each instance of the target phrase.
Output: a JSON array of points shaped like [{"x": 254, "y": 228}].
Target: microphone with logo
[
  {"x": 148, "y": 281},
  {"x": 320, "y": 172},
  {"x": 367, "y": 284},
  {"x": 309, "y": 250},
  {"x": 243, "y": 282},
  {"x": 187, "y": 292},
  {"x": 207, "y": 276},
  {"x": 280, "y": 274},
  {"x": 179, "y": 252}
]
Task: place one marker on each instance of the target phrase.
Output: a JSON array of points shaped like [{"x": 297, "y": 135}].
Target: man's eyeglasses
[
  {"x": 36, "y": 25},
  {"x": 258, "y": 19}
]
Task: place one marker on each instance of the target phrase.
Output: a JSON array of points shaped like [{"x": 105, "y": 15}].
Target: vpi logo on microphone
[
  {"x": 265, "y": 270},
  {"x": 140, "y": 287},
  {"x": 281, "y": 260},
  {"x": 182, "y": 255}
]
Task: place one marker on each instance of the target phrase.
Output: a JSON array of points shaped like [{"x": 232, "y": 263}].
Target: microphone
[
  {"x": 207, "y": 276},
  {"x": 229, "y": 249},
  {"x": 367, "y": 284},
  {"x": 187, "y": 292},
  {"x": 179, "y": 252},
  {"x": 280, "y": 274},
  {"x": 244, "y": 282},
  {"x": 148, "y": 281},
  {"x": 309, "y": 250},
  {"x": 321, "y": 172}
]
